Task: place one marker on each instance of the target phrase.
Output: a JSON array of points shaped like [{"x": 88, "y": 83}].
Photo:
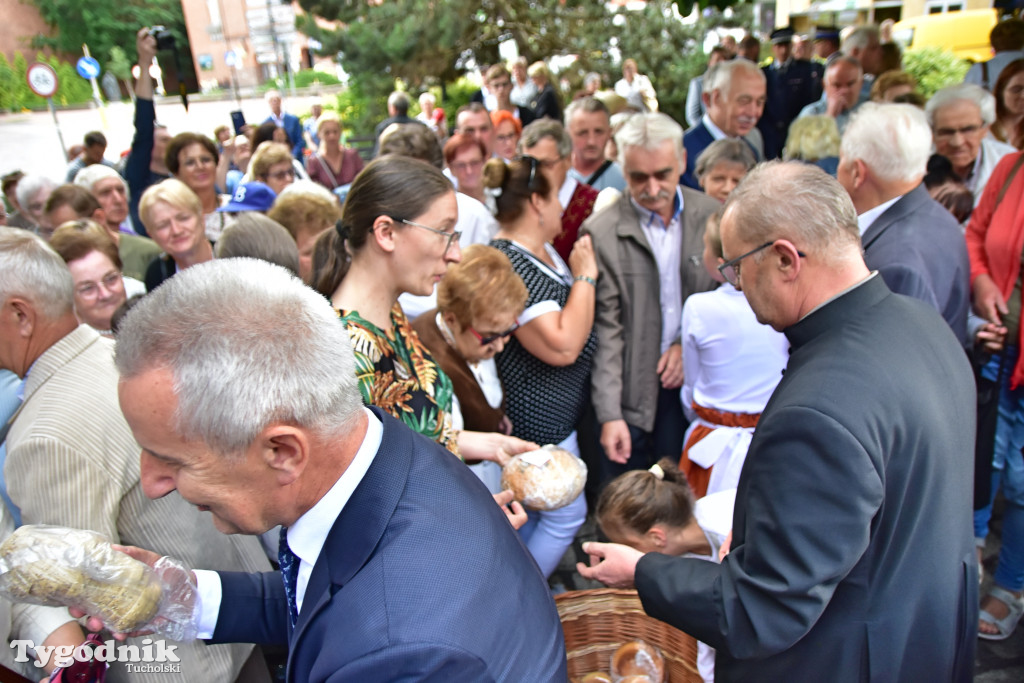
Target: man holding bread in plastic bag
[{"x": 239, "y": 384}]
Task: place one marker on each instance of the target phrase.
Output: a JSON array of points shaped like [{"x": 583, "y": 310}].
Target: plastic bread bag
[
  {"x": 545, "y": 479},
  {"x": 638, "y": 662},
  {"x": 57, "y": 566}
]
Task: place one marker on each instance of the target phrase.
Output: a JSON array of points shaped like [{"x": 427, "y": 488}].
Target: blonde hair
[
  {"x": 539, "y": 69},
  {"x": 482, "y": 283},
  {"x": 812, "y": 138},
  {"x": 171, "y": 191},
  {"x": 267, "y": 155},
  {"x": 303, "y": 210},
  {"x": 327, "y": 117}
]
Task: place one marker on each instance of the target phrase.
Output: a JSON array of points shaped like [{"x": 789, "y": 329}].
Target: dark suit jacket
[
  {"x": 696, "y": 141},
  {"x": 293, "y": 127},
  {"x": 919, "y": 250},
  {"x": 421, "y": 578},
  {"x": 790, "y": 88},
  {"x": 852, "y": 556}
]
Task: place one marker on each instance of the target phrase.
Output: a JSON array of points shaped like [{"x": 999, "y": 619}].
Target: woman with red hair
[{"x": 507, "y": 129}]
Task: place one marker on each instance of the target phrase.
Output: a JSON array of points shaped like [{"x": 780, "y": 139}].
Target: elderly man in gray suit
[
  {"x": 648, "y": 246},
  {"x": 912, "y": 241},
  {"x": 71, "y": 457},
  {"x": 852, "y": 549}
]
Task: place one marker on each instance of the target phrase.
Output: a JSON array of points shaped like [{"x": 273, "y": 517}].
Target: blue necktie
[{"x": 289, "y": 572}]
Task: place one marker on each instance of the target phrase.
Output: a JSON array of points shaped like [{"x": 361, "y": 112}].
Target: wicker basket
[{"x": 597, "y": 622}]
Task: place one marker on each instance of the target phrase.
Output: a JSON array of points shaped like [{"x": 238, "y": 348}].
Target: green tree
[
  {"x": 120, "y": 66},
  {"x": 105, "y": 25},
  {"x": 934, "y": 68},
  {"x": 423, "y": 42}
]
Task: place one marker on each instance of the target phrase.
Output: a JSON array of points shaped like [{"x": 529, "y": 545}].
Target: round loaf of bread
[
  {"x": 545, "y": 479},
  {"x": 637, "y": 658},
  {"x": 56, "y": 566}
]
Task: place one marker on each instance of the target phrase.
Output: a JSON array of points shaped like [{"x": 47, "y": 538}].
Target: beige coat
[
  {"x": 72, "y": 461},
  {"x": 628, "y": 316}
]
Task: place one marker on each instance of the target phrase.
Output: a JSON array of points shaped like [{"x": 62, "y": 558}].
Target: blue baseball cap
[{"x": 250, "y": 197}]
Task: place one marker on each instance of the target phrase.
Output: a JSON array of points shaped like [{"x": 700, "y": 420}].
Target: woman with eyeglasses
[
  {"x": 397, "y": 234},
  {"x": 192, "y": 158},
  {"x": 507, "y": 130},
  {"x": 95, "y": 266},
  {"x": 272, "y": 165},
  {"x": 545, "y": 366},
  {"x": 465, "y": 157}
]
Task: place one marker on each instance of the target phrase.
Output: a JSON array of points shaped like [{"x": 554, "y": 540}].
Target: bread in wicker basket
[{"x": 597, "y": 622}]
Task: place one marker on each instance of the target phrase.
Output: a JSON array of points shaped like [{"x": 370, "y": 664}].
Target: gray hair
[
  {"x": 843, "y": 59},
  {"x": 399, "y": 101},
  {"x": 893, "y": 140},
  {"x": 546, "y": 128},
  {"x": 29, "y": 186},
  {"x": 426, "y": 97},
  {"x": 257, "y": 236},
  {"x": 589, "y": 105},
  {"x": 860, "y": 37},
  {"x": 648, "y": 131},
  {"x": 969, "y": 92},
  {"x": 726, "y": 150},
  {"x": 799, "y": 202},
  {"x": 719, "y": 77},
  {"x": 31, "y": 269},
  {"x": 93, "y": 173},
  {"x": 218, "y": 327}
]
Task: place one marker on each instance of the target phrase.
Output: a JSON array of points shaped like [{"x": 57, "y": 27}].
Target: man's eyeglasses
[
  {"x": 484, "y": 341},
  {"x": 451, "y": 236},
  {"x": 730, "y": 270},
  {"x": 534, "y": 163},
  {"x": 950, "y": 133}
]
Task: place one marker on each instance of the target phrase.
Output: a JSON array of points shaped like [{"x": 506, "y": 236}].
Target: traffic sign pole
[
  {"x": 91, "y": 67},
  {"x": 42, "y": 80},
  {"x": 60, "y": 136}
]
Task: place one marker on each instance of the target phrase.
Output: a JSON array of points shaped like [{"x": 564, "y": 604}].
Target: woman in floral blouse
[{"x": 397, "y": 234}]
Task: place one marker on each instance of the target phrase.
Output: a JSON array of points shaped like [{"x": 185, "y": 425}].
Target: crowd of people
[{"x": 797, "y": 441}]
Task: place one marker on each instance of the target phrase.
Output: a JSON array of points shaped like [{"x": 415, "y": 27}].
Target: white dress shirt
[
  {"x": 306, "y": 537},
  {"x": 868, "y": 218},
  {"x": 667, "y": 244}
]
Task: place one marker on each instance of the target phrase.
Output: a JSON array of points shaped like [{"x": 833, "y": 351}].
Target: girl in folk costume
[{"x": 731, "y": 364}]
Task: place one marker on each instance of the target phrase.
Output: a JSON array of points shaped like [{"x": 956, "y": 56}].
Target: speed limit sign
[{"x": 42, "y": 79}]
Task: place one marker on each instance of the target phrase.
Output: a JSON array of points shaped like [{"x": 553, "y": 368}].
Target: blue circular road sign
[{"x": 88, "y": 67}]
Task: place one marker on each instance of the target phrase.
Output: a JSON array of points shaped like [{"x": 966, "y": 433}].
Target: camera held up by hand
[{"x": 164, "y": 38}]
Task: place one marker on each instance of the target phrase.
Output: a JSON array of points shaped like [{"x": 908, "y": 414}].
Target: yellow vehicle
[{"x": 965, "y": 33}]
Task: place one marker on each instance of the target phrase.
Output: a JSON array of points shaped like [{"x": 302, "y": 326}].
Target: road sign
[
  {"x": 231, "y": 58},
  {"x": 88, "y": 67},
  {"x": 42, "y": 79}
]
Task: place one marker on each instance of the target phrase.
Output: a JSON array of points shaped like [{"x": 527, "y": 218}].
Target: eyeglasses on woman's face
[{"x": 452, "y": 236}]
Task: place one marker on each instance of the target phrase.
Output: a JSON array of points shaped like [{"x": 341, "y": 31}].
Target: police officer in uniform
[{"x": 791, "y": 85}]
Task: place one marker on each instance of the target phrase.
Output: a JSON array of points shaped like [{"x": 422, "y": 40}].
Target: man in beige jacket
[{"x": 648, "y": 246}]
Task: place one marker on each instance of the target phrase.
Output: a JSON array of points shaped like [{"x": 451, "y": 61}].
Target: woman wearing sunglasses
[
  {"x": 396, "y": 235},
  {"x": 546, "y": 364},
  {"x": 478, "y": 303}
]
